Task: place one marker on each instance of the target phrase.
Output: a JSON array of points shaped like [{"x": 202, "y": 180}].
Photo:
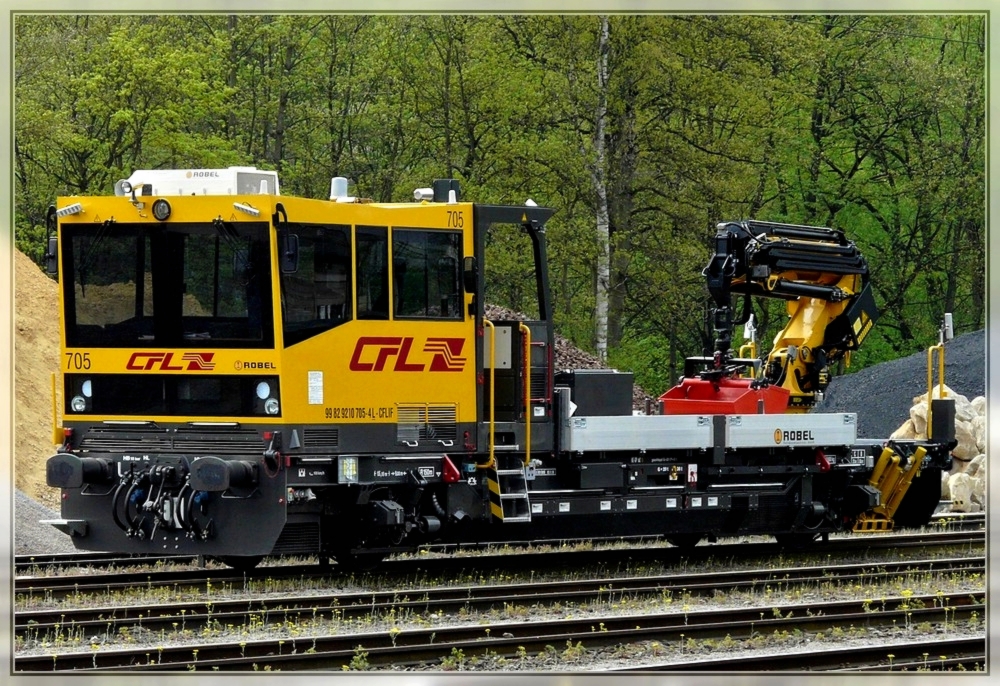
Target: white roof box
[{"x": 231, "y": 181}]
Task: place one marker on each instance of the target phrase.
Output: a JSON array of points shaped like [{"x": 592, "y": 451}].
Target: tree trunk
[{"x": 601, "y": 190}]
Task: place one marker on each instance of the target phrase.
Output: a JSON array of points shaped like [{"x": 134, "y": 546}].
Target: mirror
[
  {"x": 470, "y": 275},
  {"x": 52, "y": 251},
  {"x": 289, "y": 252},
  {"x": 52, "y": 256}
]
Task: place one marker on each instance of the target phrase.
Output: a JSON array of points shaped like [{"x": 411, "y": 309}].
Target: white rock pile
[{"x": 965, "y": 485}]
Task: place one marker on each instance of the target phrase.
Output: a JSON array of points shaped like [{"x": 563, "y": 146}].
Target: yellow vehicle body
[{"x": 318, "y": 386}]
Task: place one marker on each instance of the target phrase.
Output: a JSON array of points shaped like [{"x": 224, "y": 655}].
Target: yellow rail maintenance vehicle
[{"x": 247, "y": 374}]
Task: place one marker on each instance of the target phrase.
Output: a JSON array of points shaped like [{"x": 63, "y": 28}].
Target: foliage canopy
[{"x": 870, "y": 123}]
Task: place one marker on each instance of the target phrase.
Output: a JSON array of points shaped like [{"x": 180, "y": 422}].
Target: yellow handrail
[
  {"x": 493, "y": 357},
  {"x": 749, "y": 351},
  {"x": 930, "y": 379},
  {"x": 527, "y": 392}
]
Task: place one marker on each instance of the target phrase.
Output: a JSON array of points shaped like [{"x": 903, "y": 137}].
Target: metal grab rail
[
  {"x": 527, "y": 392},
  {"x": 493, "y": 357},
  {"x": 930, "y": 379},
  {"x": 57, "y": 438}
]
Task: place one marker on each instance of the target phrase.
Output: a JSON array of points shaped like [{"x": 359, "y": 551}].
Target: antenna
[{"x": 947, "y": 331}]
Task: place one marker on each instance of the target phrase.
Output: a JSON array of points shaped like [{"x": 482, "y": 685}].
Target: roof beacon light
[
  {"x": 423, "y": 194},
  {"x": 338, "y": 187},
  {"x": 246, "y": 209},
  {"x": 338, "y": 190},
  {"x": 75, "y": 208}
]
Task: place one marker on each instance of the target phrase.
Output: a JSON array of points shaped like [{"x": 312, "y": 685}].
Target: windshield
[{"x": 178, "y": 285}]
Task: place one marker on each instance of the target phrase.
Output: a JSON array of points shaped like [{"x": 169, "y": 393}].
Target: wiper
[
  {"x": 85, "y": 259},
  {"x": 233, "y": 242}
]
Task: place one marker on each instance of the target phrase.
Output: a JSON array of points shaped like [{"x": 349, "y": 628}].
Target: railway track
[
  {"x": 514, "y": 640},
  {"x": 40, "y": 564},
  {"x": 209, "y": 628},
  {"x": 54, "y": 587},
  {"x": 956, "y": 654},
  {"x": 197, "y": 616}
]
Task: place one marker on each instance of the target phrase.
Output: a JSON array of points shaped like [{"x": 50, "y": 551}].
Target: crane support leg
[{"x": 892, "y": 482}]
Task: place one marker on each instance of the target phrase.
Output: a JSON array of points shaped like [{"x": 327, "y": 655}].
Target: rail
[{"x": 429, "y": 645}]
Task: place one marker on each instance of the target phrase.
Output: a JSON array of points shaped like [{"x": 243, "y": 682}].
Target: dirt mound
[{"x": 36, "y": 358}]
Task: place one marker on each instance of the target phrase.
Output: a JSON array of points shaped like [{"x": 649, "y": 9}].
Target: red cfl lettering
[
  {"x": 372, "y": 353},
  {"x": 386, "y": 346},
  {"x": 161, "y": 361}
]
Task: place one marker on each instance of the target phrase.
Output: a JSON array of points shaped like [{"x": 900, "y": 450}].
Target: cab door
[{"x": 413, "y": 355}]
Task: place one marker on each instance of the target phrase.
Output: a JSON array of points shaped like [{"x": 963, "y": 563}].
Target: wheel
[
  {"x": 685, "y": 541},
  {"x": 920, "y": 501},
  {"x": 241, "y": 563}
]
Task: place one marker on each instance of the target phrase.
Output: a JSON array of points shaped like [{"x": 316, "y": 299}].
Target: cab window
[
  {"x": 426, "y": 274},
  {"x": 373, "y": 272},
  {"x": 317, "y": 297}
]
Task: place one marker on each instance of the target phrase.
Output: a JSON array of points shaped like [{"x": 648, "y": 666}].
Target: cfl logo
[
  {"x": 372, "y": 354},
  {"x": 446, "y": 353}
]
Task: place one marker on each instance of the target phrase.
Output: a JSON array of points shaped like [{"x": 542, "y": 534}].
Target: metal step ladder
[{"x": 509, "y": 490}]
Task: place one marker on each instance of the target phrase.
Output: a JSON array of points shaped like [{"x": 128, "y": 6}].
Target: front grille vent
[
  {"x": 426, "y": 422},
  {"x": 321, "y": 438},
  {"x": 183, "y": 440}
]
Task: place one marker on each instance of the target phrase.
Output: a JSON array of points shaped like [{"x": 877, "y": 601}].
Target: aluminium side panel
[
  {"x": 638, "y": 432},
  {"x": 791, "y": 430}
]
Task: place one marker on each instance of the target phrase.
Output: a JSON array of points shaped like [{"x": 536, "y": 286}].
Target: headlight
[
  {"x": 78, "y": 403},
  {"x": 263, "y": 390},
  {"x": 87, "y": 389},
  {"x": 161, "y": 209},
  {"x": 347, "y": 469}
]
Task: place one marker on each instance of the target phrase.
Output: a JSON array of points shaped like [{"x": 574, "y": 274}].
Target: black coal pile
[{"x": 882, "y": 395}]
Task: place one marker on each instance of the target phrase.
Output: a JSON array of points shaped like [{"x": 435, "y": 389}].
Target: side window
[
  {"x": 426, "y": 269},
  {"x": 317, "y": 297},
  {"x": 373, "y": 272}
]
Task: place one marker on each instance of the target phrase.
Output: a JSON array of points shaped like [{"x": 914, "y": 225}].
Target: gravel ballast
[
  {"x": 883, "y": 394},
  {"x": 32, "y": 537}
]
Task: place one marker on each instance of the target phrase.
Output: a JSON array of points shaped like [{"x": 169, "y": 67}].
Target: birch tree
[{"x": 601, "y": 193}]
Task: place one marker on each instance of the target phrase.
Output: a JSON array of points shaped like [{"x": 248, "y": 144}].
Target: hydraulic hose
[{"x": 115, "y": 504}]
